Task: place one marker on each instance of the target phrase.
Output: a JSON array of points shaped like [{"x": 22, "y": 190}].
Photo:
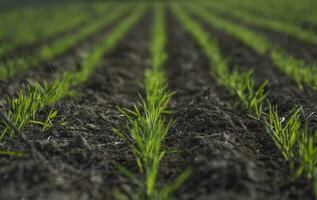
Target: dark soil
[
  {"x": 79, "y": 157},
  {"x": 230, "y": 155},
  {"x": 52, "y": 69}
]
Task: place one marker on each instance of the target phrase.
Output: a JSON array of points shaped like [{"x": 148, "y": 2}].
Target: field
[{"x": 158, "y": 100}]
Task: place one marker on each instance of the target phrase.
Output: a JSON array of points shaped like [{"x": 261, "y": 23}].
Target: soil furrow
[
  {"x": 52, "y": 69},
  {"x": 80, "y": 156},
  {"x": 283, "y": 90},
  {"x": 230, "y": 155}
]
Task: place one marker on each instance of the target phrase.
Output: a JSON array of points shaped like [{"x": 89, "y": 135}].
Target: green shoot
[
  {"x": 307, "y": 153},
  {"x": 48, "y": 122},
  {"x": 11, "y": 153},
  {"x": 147, "y": 125},
  {"x": 243, "y": 85},
  {"x": 285, "y": 132}
]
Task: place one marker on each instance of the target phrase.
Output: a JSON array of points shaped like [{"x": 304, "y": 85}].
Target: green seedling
[
  {"x": 307, "y": 153},
  {"x": 48, "y": 122},
  {"x": 11, "y": 153},
  {"x": 243, "y": 85},
  {"x": 285, "y": 132},
  {"x": 147, "y": 126}
]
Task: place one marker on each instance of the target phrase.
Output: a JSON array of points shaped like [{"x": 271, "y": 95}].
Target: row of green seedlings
[
  {"x": 270, "y": 24},
  {"x": 50, "y": 51},
  {"x": 43, "y": 24},
  {"x": 301, "y": 72},
  {"x": 296, "y": 142},
  {"x": 147, "y": 125},
  {"x": 24, "y": 109},
  {"x": 288, "y": 12}
]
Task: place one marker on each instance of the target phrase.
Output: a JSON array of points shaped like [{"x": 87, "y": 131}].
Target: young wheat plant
[{"x": 147, "y": 125}]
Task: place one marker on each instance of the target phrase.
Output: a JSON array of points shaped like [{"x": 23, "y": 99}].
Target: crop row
[
  {"x": 294, "y": 140},
  {"x": 301, "y": 72},
  {"x": 293, "y": 12},
  {"x": 24, "y": 109},
  {"x": 48, "y": 52},
  {"x": 147, "y": 125},
  {"x": 42, "y": 23},
  {"x": 271, "y": 24}
]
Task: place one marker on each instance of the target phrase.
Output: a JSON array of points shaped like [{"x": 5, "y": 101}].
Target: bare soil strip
[
  {"x": 52, "y": 69},
  {"x": 80, "y": 156},
  {"x": 231, "y": 156}
]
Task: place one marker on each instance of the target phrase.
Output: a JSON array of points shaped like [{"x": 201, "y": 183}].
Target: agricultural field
[{"x": 158, "y": 100}]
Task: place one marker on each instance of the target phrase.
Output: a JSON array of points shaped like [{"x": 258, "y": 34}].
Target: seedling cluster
[{"x": 147, "y": 124}]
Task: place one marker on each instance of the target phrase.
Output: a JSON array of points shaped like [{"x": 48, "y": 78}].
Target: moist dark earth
[{"x": 229, "y": 153}]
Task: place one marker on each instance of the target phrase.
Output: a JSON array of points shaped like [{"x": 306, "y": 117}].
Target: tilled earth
[{"x": 229, "y": 153}]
